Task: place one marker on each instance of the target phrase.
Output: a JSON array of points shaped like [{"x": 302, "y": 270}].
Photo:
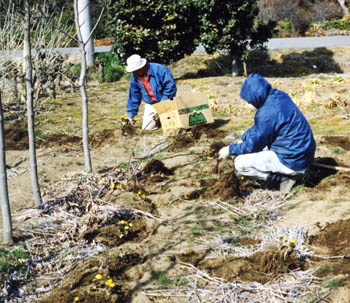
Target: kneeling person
[
  {"x": 150, "y": 82},
  {"x": 280, "y": 145}
]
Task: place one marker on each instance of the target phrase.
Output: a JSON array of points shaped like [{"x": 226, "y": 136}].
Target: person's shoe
[
  {"x": 287, "y": 184},
  {"x": 282, "y": 182}
]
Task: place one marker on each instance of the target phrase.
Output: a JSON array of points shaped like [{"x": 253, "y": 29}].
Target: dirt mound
[
  {"x": 187, "y": 137},
  {"x": 341, "y": 141},
  {"x": 214, "y": 149},
  {"x": 316, "y": 174},
  {"x": 156, "y": 167},
  {"x": 227, "y": 186},
  {"x": 128, "y": 130},
  {"x": 224, "y": 187},
  {"x": 114, "y": 235},
  {"x": 335, "y": 237},
  {"x": 261, "y": 267},
  {"x": 100, "y": 279},
  {"x": 16, "y": 136},
  {"x": 101, "y": 138},
  {"x": 180, "y": 141},
  {"x": 208, "y": 130}
]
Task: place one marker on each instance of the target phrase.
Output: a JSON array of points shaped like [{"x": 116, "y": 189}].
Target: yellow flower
[
  {"x": 292, "y": 242},
  {"x": 112, "y": 186},
  {"x": 98, "y": 277},
  {"x": 139, "y": 193},
  {"x": 121, "y": 222},
  {"x": 76, "y": 299},
  {"x": 110, "y": 283},
  {"x": 143, "y": 197},
  {"x": 126, "y": 227},
  {"x": 135, "y": 119}
]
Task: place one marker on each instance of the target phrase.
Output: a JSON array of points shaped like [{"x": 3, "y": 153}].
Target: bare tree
[
  {"x": 82, "y": 42},
  {"x": 4, "y": 197},
  {"x": 345, "y": 8},
  {"x": 82, "y": 86},
  {"x": 85, "y": 23},
  {"x": 82, "y": 80},
  {"x": 29, "y": 101}
]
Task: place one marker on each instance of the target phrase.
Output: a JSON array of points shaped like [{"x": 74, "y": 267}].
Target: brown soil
[
  {"x": 334, "y": 237},
  {"x": 187, "y": 138},
  {"x": 318, "y": 176},
  {"x": 17, "y": 138},
  {"x": 261, "y": 267},
  {"x": 156, "y": 167},
  {"x": 82, "y": 283},
  {"x": 341, "y": 141},
  {"x": 214, "y": 149},
  {"x": 226, "y": 186},
  {"x": 115, "y": 235},
  {"x": 180, "y": 141}
]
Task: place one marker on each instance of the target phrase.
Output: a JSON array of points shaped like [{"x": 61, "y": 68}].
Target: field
[{"x": 160, "y": 219}]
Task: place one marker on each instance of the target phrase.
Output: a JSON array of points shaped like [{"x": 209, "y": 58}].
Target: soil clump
[
  {"x": 187, "y": 137},
  {"x": 335, "y": 237},
  {"x": 109, "y": 286},
  {"x": 262, "y": 267},
  {"x": 226, "y": 186}
]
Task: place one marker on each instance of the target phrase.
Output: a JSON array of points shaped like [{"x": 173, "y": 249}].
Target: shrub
[
  {"x": 113, "y": 71},
  {"x": 281, "y": 10},
  {"x": 163, "y": 31},
  {"x": 325, "y": 10},
  {"x": 341, "y": 24}
]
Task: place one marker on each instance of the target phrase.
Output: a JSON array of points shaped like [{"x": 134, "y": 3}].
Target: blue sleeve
[
  {"x": 169, "y": 85},
  {"x": 246, "y": 135},
  {"x": 261, "y": 134},
  {"x": 134, "y": 99}
]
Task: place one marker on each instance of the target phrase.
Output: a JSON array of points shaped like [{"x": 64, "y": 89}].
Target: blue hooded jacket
[
  {"x": 278, "y": 124},
  {"x": 162, "y": 84}
]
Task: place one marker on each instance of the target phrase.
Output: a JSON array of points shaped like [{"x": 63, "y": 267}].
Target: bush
[
  {"x": 281, "y": 10},
  {"x": 341, "y": 24},
  {"x": 113, "y": 71},
  {"x": 163, "y": 31},
  {"x": 325, "y": 10}
]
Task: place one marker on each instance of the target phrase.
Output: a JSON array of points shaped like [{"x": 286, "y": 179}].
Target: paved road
[
  {"x": 307, "y": 42},
  {"x": 278, "y": 43}
]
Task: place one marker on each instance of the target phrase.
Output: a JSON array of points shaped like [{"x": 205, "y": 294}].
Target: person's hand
[{"x": 224, "y": 153}]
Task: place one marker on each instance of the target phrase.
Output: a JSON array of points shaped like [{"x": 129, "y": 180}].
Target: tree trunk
[
  {"x": 82, "y": 86},
  {"x": 237, "y": 66},
  {"x": 344, "y": 8},
  {"x": 4, "y": 197},
  {"x": 30, "y": 111},
  {"x": 85, "y": 24}
]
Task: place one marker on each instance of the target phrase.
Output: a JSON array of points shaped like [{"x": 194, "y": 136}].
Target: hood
[{"x": 255, "y": 90}]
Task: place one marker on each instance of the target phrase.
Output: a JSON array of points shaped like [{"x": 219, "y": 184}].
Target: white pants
[
  {"x": 148, "y": 123},
  {"x": 259, "y": 165}
]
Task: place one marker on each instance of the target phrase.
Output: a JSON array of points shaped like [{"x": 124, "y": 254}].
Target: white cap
[{"x": 135, "y": 62}]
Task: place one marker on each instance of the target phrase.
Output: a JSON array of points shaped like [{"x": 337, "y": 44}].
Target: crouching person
[
  {"x": 280, "y": 146},
  {"x": 150, "y": 82}
]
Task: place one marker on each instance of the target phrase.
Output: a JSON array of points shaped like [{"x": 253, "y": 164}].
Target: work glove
[{"x": 224, "y": 153}]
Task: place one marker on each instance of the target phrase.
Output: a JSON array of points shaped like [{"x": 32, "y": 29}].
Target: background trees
[
  {"x": 164, "y": 31},
  {"x": 232, "y": 26}
]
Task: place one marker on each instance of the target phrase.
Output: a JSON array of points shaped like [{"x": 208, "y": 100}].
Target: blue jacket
[
  {"x": 278, "y": 124},
  {"x": 162, "y": 84}
]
